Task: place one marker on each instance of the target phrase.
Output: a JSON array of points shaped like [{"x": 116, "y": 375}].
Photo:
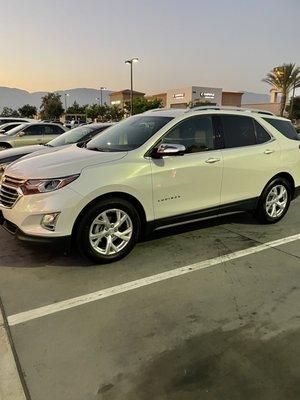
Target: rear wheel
[
  {"x": 274, "y": 201},
  {"x": 108, "y": 231}
]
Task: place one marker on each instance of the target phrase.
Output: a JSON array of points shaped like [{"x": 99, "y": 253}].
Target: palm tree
[{"x": 284, "y": 78}]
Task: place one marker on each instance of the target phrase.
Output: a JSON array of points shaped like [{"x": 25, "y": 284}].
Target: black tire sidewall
[
  {"x": 261, "y": 210},
  {"x": 82, "y": 235}
]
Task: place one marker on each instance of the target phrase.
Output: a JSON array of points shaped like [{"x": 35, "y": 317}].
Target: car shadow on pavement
[{"x": 16, "y": 254}]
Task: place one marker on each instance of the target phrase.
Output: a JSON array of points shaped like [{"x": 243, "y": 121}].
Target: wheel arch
[
  {"x": 6, "y": 145},
  {"x": 287, "y": 176},
  {"x": 121, "y": 195}
]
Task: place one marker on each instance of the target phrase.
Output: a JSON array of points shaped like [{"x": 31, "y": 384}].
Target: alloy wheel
[
  {"x": 110, "y": 231},
  {"x": 276, "y": 201}
]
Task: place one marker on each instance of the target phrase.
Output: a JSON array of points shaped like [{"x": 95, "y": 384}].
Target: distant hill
[
  {"x": 251, "y": 98},
  {"x": 15, "y": 98}
]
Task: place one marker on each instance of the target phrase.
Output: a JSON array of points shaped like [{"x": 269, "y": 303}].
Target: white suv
[{"x": 150, "y": 171}]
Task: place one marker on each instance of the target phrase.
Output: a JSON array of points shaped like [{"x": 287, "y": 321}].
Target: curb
[{"x": 12, "y": 385}]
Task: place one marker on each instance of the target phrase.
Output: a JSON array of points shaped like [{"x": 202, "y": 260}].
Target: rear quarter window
[{"x": 284, "y": 127}]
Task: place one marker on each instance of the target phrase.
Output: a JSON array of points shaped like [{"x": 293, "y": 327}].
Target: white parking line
[{"x": 125, "y": 287}]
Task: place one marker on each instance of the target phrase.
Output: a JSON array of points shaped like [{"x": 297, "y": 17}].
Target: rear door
[
  {"x": 51, "y": 132},
  {"x": 251, "y": 157}
]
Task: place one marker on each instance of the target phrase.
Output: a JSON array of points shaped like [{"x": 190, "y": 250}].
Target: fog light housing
[{"x": 49, "y": 221}]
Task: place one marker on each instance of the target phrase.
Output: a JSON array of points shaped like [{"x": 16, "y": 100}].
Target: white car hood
[{"x": 59, "y": 162}]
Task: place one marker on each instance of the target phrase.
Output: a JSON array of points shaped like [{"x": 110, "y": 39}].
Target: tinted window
[
  {"x": 33, "y": 130},
  {"x": 261, "y": 134},
  {"x": 284, "y": 127},
  {"x": 129, "y": 134},
  {"x": 52, "y": 130},
  {"x": 196, "y": 134},
  {"x": 238, "y": 131}
]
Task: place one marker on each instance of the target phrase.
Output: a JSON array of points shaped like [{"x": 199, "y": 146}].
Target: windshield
[
  {"x": 80, "y": 134},
  {"x": 15, "y": 130},
  {"x": 128, "y": 134}
]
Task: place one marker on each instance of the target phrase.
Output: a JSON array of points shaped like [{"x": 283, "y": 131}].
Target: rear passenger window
[
  {"x": 284, "y": 127},
  {"x": 261, "y": 134},
  {"x": 238, "y": 131}
]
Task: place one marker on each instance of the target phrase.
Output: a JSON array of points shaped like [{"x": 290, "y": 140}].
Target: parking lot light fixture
[
  {"x": 101, "y": 97},
  {"x": 66, "y": 95},
  {"x": 130, "y": 62}
]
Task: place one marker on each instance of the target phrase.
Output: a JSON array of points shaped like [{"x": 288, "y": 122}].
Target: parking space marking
[{"x": 128, "y": 286}]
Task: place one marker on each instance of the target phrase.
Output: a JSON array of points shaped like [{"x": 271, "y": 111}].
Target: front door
[
  {"x": 32, "y": 134},
  {"x": 191, "y": 182}
]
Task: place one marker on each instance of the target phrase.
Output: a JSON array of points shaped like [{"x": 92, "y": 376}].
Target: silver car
[{"x": 29, "y": 134}]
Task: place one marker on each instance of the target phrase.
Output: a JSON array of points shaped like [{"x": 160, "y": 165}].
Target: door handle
[
  {"x": 212, "y": 160},
  {"x": 268, "y": 151}
]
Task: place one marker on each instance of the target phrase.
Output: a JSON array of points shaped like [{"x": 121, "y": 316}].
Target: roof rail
[{"x": 220, "y": 108}]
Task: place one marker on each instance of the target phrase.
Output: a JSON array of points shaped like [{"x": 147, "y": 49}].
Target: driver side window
[
  {"x": 195, "y": 133},
  {"x": 33, "y": 130}
]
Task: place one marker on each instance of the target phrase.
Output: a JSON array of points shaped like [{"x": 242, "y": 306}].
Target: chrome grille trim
[{"x": 10, "y": 191}]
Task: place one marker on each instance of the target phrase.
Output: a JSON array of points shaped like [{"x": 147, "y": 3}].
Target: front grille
[{"x": 10, "y": 191}]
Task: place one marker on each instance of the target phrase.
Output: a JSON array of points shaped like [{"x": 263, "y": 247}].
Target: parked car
[
  {"x": 150, "y": 171},
  {"x": 79, "y": 135},
  {"x": 7, "y": 127},
  {"x": 29, "y": 134},
  {"x": 6, "y": 120}
]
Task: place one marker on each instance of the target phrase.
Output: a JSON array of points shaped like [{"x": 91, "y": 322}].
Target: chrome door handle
[
  {"x": 212, "y": 160},
  {"x": 269, "y": 151}
]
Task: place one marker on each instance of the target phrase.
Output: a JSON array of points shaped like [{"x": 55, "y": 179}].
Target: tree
[
  {"x": 51, "y": 107},
  {"x": 104, "y": 113},
  {"x": 9, "y": 112},
  {"x": 296, "y": 108},
  {"x": 27, "y": 111},
  {"x": 75, "y": 108},
  {"x": 140, "y": 105},
  {"x": 284, "y": 78}
]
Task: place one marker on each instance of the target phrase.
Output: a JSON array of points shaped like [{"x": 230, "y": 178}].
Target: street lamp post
[
  {"x": 292, "y": 102},
  {"x": 101, "y": 97},
  {"x": 131, "y": 61}
]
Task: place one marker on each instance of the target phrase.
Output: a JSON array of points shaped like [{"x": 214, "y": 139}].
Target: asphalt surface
[{"x": 231, "y": 331}]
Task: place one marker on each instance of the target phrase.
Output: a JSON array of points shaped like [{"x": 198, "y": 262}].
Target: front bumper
[{"x": 61, "y": 242}]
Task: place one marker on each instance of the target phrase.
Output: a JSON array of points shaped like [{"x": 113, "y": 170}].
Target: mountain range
[{"x": 15, "y": 98}]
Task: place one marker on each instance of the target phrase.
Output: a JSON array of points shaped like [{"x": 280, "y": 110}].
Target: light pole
[
  {"x": 131, "y": 61},
  {"x": 66, "y": 95},
  {"x": 292, "y": 102},
  {"x": 102, "y": 88}
]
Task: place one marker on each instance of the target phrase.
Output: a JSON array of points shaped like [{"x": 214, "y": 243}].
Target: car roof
[{"x": 177, "y": 112}]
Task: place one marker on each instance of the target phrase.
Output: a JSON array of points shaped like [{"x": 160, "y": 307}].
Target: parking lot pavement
[{"x": 230, "y": 331}]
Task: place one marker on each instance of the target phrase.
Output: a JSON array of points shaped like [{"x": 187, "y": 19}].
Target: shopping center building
[{"x": 191, "y": 96}]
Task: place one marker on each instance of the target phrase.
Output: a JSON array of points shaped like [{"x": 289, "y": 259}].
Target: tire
[
  {"x": 99, "y": 237},
  {"x": 4, "y": 146},
  {"x": 268, "y": 210}
]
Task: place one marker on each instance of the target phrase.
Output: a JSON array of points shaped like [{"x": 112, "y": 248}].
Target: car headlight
[{"x": 35, "y": 186}]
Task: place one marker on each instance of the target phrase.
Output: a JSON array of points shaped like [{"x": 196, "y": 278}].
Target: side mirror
[
  {"x": 20, "y": 134},
  {"x": 169, "y": 149}
]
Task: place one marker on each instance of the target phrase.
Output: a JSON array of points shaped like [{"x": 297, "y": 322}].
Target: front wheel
[
  {"x": 108, "y": 231},
  {"x": 4, "y": 146},
  {"x": 274, "y": 201}
]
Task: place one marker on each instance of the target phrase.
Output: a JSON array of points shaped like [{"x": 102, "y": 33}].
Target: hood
[
  {"x": 5, "y": 155},
  {"x": 58, "y": 162}
]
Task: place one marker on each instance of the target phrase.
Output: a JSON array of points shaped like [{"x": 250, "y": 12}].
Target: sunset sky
[{"x": 61, "y": 44}]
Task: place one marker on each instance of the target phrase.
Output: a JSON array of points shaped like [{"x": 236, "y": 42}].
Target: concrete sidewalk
[{"x": 11, "y": 387}]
